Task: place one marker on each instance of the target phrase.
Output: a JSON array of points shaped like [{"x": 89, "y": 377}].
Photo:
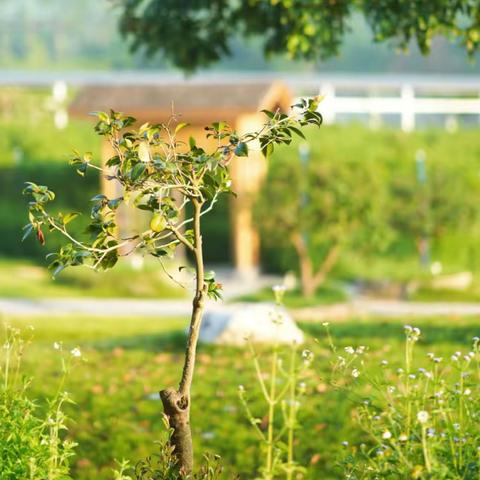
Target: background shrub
[{"x": 450, "y": 218}]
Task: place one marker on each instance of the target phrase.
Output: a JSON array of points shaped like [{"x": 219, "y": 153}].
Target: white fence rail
[
  {"x": 408, "y": 96},
  {"x": 407, "y": 105}
]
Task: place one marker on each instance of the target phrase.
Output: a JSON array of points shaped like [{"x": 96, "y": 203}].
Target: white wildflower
[
  {"x": 386, "y": 435},
  {"x": 423, "y": 416},
  {"x": 355, "y": 373},
  {"x": 76, "y": 352}
]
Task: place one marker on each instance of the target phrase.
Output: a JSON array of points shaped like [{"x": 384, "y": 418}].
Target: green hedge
[
  {"x": 453, "y": 171},
  {"x": 456, "y": 156},
  {"x": 32, "y": 149},
  {"x": 72, "y": 194}
]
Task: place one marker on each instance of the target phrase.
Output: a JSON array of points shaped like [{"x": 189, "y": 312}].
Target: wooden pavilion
[{"x": 199, "y": 104}]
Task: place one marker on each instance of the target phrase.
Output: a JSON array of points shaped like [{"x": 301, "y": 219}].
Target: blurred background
[
  {"x": 372, "y": 220},
  {"x": 412, "y": 118}
]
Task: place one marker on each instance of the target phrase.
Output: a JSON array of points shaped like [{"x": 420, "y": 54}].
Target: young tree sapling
[{"x": 160, "y": 174}]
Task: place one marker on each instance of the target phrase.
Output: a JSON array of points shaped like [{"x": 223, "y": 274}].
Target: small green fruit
[{"x": 158, "y": 223}]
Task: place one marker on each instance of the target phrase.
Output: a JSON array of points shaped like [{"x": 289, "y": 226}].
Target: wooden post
[{"x": 247, "y": 176}]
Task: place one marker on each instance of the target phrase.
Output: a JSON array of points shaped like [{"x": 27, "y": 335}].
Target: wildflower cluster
[
  {"x": 349, "y": 362},
  {"x": 38, "y": 448},
  {"x": 421, "y": 422},
  {"x": 282, "y": 389}
]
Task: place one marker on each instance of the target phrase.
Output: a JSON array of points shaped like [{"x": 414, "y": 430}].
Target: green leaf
[
  {"x": 57, "y": 269},
  {"x": 69, "y": 217},
  {"x": 27, "y": 231},
  {"x": 241, "y": 150},
  {"x": 82, "y": 169},
  {"x": 102, "y": 116},
  {"x": 192, "y": 142},
  {"x": 114, "y": 203},
  {"x": 113, "y": 161},
  {"x": 297, "y": 131},
  {"x": 137, "y": 171},
  {"x": 267, "y": 150},
  {"x": 180, "y": 126},
  {"x": 99, "y": 197}
]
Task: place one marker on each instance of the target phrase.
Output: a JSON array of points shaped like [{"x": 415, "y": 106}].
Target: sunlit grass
[
  {"x": 128, "y": 360},
  {"x": 24, "y": 279}
]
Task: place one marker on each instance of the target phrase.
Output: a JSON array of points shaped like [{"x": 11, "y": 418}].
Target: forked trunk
[{"x": 310, "y": 280}]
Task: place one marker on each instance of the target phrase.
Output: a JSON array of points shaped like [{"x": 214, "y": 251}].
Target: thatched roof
[{"x": 197, "y": 103}]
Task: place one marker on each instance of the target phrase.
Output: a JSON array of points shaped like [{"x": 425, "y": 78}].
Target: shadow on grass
[
  {"x": 447, "y": 330},
  {"x": 168, "y": 341}
]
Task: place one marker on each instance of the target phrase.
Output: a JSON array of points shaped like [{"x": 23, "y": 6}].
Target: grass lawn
[
  {"x": 117, "y": 413},
  {"x": 328, "y": 294},
  {"x": 443, "y": 295},
  {"x": 20, "y": 278}
]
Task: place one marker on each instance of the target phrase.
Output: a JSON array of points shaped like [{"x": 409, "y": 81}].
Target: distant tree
[
  {"x": 436, "y": 200},
  {"x": 194, "y": 34},
  {"x": 320, "y": 209}
]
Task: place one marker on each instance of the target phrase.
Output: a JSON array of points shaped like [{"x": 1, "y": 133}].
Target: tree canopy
[{"x": 197, "y": 33}]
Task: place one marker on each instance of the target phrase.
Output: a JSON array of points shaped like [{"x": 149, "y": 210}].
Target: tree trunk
[
  {"x": 310, "y": 280},
  {"x": 327, "y": 265},
  {"x": 305, "y": 263},
  {"x": 177, "y": 410},
  {"x": 176, "y": 402}
]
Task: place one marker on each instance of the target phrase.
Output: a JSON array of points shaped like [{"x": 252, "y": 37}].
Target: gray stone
[{"x": 260, "y": 322}]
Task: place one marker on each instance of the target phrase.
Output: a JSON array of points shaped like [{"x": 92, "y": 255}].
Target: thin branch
[
  {"x": 181, "y": 237},
  {"x": 64, "y": 232}
]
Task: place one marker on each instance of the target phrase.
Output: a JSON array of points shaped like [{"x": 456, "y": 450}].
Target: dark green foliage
[
  {"x": 196, "y": 34},
  {"x": 32, "y": 443},
  {"x": 12, "y": 209},
  {"x": 387, "y": 157},
  {"x": 163, "y": 466}
]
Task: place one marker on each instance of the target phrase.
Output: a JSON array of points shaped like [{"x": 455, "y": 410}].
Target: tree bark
[
  {"x": 177, "y": 411},
  {"x": 177, "y": 402},
  {"x": 306, "y": 267},
  {"x": 310, "y": 280}
]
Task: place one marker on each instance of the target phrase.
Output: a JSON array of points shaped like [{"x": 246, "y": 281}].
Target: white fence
[
  {"x": 409, "y": 102},
  {"x": 370, "y": 95}
]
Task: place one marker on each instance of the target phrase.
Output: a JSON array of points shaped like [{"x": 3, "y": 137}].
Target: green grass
[
  {"x": 19, "y": 278},
  {"x": 129, "y": 359},
  {"x": 326, "y": 295},
  {"x": 444, "y": 295}
]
